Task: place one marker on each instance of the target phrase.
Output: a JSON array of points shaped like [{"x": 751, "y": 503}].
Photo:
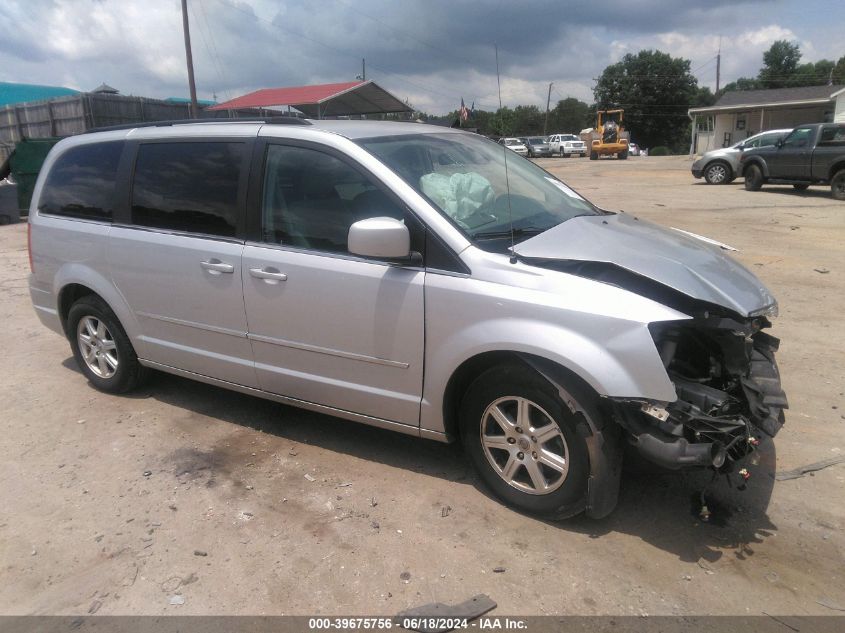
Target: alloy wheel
[
  {"x": 524, "y": 445},
  {"x": 97, "y": 346}
]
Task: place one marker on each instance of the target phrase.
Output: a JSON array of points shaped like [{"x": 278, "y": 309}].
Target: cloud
[{"x": 432, "y": 53}]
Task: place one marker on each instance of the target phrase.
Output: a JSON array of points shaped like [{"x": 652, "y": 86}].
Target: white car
[
  {"x": 633, "y": 149},
  {"x": 567, "y": 145},
  {"x": 514, "y": 144}
]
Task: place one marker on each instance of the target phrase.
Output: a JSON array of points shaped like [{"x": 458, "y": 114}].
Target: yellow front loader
[{"x": 609, "y": 137}]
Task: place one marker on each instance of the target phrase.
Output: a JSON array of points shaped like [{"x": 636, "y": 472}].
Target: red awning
[{"x": 348, "y": 98}]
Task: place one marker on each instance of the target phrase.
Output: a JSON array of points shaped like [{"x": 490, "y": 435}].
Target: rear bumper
[{"x": 45, "y": 308}]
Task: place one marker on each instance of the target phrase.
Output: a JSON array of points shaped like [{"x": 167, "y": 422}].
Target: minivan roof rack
[{"x": 274, "y": 120}]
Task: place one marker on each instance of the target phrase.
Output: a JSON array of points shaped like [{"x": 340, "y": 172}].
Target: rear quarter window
[{"x": 81, "y": 182}]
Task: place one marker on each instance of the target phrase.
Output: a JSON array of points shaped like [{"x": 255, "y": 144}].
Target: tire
[
  {"x": 594, "y": 155},
  {"x": 801, "y": 187},
  {"x": 753, "y": 178},
  {"x": 558, "y": 486},
  {"x": 112, "y": 364},
  {"x": 622, "y": 155},
  {"x": 718, "y": 173},
  {"x": 837, "y": 185}
]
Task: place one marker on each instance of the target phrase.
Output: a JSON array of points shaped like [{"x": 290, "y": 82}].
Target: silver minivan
[{"x": 411, "y": 277}]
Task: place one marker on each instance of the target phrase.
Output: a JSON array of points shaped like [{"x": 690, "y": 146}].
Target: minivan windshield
[{"x": 464, "y": 176}]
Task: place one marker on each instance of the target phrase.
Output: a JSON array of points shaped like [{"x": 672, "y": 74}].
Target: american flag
[{"x": 464, "y": 113}]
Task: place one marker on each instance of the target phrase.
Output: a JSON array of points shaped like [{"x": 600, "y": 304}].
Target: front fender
[
  {"x": 624, "y": 363},
  {"x": 755, "y": 160}
]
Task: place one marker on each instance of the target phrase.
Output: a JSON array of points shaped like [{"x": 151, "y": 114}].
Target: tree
[
  {"x": 570, "y": 116},
  {"x": 655, "y": 90},
  {"x": 779, "y": 64},
  {"x": 743, "y": 83},
  {"x": 839, "y": 72}
]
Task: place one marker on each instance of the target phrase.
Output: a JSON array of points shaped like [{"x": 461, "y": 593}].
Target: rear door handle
[
  {"x": 215, "y": 266},
  {"x": 268, "y": 274}
]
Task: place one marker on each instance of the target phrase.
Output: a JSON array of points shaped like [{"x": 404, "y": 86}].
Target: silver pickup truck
[{"x": 811, "y": 154}]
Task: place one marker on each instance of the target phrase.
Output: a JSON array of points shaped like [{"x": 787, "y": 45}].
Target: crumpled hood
[{"x": 677, "y": 260}]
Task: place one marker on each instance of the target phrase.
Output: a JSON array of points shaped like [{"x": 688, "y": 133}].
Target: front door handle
[
  {"x": 215, "y": 266},
  {"x": 270, "y": 275}
]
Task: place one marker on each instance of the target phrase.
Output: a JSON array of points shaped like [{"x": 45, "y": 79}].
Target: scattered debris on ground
[
  {"x": 809, "y": 468},
  {"x": 471, "y": 609}
]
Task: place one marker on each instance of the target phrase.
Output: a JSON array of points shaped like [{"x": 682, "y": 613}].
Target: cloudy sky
[{"x": 431, "y": 52}]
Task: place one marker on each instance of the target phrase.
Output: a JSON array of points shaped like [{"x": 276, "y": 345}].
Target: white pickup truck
[{"x": 567, "y": 145}]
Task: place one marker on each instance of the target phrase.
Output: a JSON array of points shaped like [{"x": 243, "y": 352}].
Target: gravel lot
[{"x": 114, "y": 505}]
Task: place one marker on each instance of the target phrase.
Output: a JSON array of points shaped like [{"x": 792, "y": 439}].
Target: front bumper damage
[{"x": 729, "y": 393}]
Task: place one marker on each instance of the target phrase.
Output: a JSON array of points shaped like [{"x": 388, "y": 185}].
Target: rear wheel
[
  {"x": 622, "y": 155},
  {"x": 837, "y": 185},
  {"x": 101, "y": 347},
  {"x": 801, "y": 186},
  {"x": 753, "y": 178},
  {"x": 594, "y": 155},
  {"x": 523, "y": 442},
  {"x": 718, "y": 173}
]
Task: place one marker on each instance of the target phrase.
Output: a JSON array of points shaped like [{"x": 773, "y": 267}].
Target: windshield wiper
[{"x": 521, "y": 232}]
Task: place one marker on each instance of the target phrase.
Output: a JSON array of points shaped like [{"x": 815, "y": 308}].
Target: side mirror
[
  {"x": 381, "y": 238},
  {"x": 779, "y": 143}
]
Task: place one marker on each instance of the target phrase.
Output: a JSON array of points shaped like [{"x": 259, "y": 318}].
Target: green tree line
[{"x": 656, "y": 90}]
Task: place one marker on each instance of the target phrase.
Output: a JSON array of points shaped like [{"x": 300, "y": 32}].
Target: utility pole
[
  {"x": 363, "y": 69},
  {"x": 718, "y": 63},
  {"x": 190, "y": 58},
  {"x": 548, "y": 101}
]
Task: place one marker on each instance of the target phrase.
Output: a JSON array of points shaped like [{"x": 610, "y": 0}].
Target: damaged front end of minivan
[
  {"x": 720, "y": 359},
  {"x": 729, "y": 394}
]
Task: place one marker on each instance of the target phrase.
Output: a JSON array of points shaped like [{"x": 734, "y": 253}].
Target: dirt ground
[{"x": 188, "y": 499}]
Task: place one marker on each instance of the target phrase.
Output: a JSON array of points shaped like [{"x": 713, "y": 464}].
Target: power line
[
  {"x": 214, "y": 48},
  {"x": 205, "y": 44}
]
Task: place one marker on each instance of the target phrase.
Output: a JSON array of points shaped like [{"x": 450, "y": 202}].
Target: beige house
[{"x": 743, "y": 113}]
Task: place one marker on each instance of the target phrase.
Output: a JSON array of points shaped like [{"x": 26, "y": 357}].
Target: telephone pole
[
  {"x": 190, "y": 59},
  {"x": 548, "y": 101},
  {"x": 718, "y": 63}
]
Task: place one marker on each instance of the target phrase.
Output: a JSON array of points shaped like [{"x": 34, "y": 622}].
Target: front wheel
[
  {"x": 594, "y": 155},
  {"x": 622, "y": 155},
  {"x": 101, "y": 347},
  {"x": 837, "y": 185},
  {"x": 523, "y": 442},
  {"x": 753, "y": 178},
  {"x": 718, "y": 173}
]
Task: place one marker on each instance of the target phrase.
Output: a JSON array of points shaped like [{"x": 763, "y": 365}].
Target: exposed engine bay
[{"x": 729, "y": 393}]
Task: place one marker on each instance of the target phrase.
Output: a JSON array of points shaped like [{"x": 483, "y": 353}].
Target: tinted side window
[
  {"x": 768, "y": 139},
  {"x": 81, "y": 183},
  {"x": 799, "y": 137},
  {"x": 832, "y": 136},
  {"x": 189, "y": 187},
  {"x": 311, "y": 199}
]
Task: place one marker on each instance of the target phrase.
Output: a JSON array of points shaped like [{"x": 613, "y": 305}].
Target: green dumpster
[{"x": 26, "y": 161}]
